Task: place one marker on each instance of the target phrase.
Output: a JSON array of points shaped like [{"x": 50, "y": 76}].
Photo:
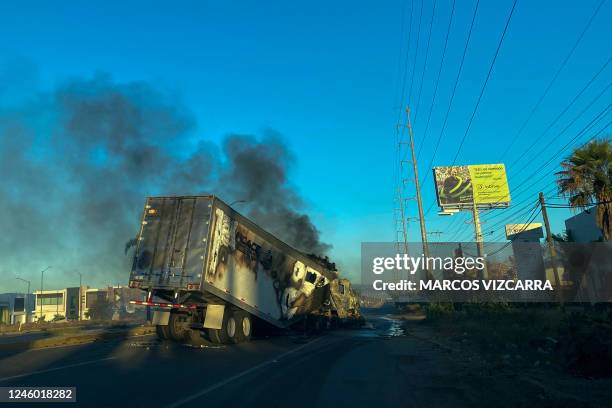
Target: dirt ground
[{"x": 525, "y": 348}]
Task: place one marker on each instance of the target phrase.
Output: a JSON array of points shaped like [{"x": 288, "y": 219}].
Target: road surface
[{"x": 380, "y": 366}]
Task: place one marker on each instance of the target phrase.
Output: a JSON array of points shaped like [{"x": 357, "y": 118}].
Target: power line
[
  {"x": 400, "y": 102},
  {"x": 591, "y": 124},
  {"x": 516, "y": 235},
  {"x": 548, "y": 192},
  {"x": 416, "y": 53},
  {"x": 501, "y": 40},
  {"x": 560, "y": 115},
  {"x": 557, "y": 118},
  {"x": 433, "y": 14},
  {"x": 585, "y": 129},
  {"x": 554, "y": 78},
  {"x": 398, "y": 76},
  {"x": 435, "y": 93},
  {"x": 517, "y": 213},
  {"x": 521, "y": 209},
  {"x": 403, "y": 93},
  {"x": 467, "y": 42},
  {"x": 544, "y": 95},
  {"x": 459, "y": 230},
  {"x": 572, "y": 206},
  {"x": 570, "y": 124}
]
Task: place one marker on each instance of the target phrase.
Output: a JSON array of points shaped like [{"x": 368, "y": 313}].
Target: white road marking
[
  {"x": 237, "y": 376},
  {"x": 56, "y": 368}
]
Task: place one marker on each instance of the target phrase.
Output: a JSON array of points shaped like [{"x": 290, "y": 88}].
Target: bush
[
  {"x": 585, "y": 344},
  {"x": 440, "y": 309}
]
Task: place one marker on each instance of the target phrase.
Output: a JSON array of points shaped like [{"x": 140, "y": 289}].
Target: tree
[{"x": 586, "y": 180}]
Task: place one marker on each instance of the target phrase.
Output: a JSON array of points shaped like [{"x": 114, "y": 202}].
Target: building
[
  {"x": 527, "y": 250},
  {"x": 57, "y": 304},
  {"x": 16, "y": 308},
  {"x": 583, "y": 227},
  {"x": 75, "y": 303}
]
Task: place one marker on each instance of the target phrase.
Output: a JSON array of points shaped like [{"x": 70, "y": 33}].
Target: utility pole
[
  {"x": 80, "y": 295},
  {"x": 418, "y": 193},
  {"x": 551, "y": 248},
  {"x": 42, "y": 273},
  {"x": 478, "y": 236},
  {"x": 403, "y": 215},
  {"x": 25, "y": 300}
]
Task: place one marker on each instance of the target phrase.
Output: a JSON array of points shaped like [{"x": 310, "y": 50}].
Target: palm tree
[{"x": 586, "y": 179}]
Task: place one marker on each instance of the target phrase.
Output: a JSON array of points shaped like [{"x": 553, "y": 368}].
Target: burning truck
[{"x": 207, "y": 270}]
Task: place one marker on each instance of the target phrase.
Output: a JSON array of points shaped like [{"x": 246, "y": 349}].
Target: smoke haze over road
[{"x": 78, "y": 161}]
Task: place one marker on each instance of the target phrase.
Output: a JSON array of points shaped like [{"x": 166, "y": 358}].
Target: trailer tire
[
  {"x": 213, "y": 335},
  {"x": 178, "y": 325},
  {"x": 162, "y": 332},
  {"x": 233, "y": 329},
  {"x": 244, "y": 327},
  {"x": 194, "y": 338},
  {"x": 229, "y": 328}
]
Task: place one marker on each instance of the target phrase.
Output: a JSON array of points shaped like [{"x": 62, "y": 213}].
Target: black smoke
[
  {"x": 77, "y": 162},
  {"x": 256, "y": 172}
]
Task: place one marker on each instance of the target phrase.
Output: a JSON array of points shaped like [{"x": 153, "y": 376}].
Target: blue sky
[{"x": 325, "y": 75}]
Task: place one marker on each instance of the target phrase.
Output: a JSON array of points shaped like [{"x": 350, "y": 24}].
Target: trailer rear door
[{"x": 172, "y": 244}]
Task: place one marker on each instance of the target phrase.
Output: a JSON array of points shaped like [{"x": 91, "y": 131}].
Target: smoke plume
[{"x": 77, "y": 163}]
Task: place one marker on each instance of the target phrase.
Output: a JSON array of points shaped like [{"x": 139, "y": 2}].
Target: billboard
[
  {"x": 514, "y": 229},
  {"x": 485, "y": 185}
]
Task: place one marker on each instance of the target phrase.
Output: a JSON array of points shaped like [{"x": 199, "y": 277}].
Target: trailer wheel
[
  {"x": 246, "y": 326},
  {"x": 232, "y": 330},
  {"x": 177, "y": 326},
  {"x": 213, "y": 335},
  {"x": 194, "y": 338},
  {"x": 162, "y": 332},
  {"x": 227, "y": 333}
]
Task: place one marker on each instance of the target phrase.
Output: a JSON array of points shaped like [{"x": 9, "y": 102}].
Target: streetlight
[
  {"x": 25, "y": 300},
  {"x": 42, "y": 273},
  {"x": 26, "y": 281},
  {"x": 80, "y": 295}
]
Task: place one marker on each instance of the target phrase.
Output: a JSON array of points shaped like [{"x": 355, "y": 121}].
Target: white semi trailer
[{"x": 208, "y": 270}]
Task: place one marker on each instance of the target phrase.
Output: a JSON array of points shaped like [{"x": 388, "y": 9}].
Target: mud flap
[
  {"x": 160, "y": 318},
  {"x": 214, "y": 316}
]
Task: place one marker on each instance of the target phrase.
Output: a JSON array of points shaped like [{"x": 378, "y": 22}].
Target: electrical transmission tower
[{"x": 408, "y": 174}]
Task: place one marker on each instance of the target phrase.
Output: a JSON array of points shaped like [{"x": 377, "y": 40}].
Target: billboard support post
[
  {"x": 551, "y": 247},
  {"x": 418, "y": 194},
  {"x": 478, "y": 236}
]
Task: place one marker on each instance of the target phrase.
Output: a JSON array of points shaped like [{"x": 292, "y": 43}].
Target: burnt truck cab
[
  {"x": 343, "y": 304},
  {"x": 206, "y": 268}
]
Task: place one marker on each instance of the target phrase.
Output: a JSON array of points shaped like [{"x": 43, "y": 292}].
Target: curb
[{"x": 75, "y": 339}]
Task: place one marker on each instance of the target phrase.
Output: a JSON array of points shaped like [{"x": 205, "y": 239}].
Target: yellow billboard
[
  {"x": 514, "y": 229},
  {"x": 485, "y": 185}
]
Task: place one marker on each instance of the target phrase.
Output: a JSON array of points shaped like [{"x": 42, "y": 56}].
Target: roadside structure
[
  {"x": 16, "y": 308},
  {"x": 58, "y": 304},
  {"x": 583, "y": 227}
]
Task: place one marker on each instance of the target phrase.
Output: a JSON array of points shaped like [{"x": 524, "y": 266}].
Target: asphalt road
[{"x": 379, "y": 366}]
